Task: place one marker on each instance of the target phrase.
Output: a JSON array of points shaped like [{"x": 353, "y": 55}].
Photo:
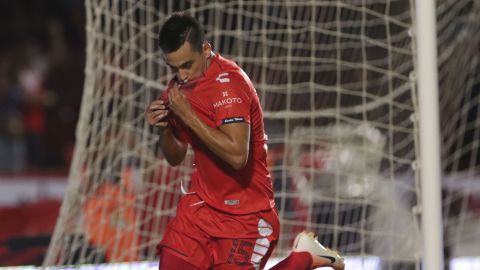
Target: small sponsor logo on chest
[{"x": 232, "y": 202}]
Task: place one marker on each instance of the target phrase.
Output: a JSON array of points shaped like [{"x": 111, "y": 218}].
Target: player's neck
[{"x": 209, "y": 61}]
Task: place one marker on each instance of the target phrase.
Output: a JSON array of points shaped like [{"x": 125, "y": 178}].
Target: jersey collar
[{"x": 214, "y": 66}]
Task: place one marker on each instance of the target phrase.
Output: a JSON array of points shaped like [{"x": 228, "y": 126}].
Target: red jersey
[{"x": 222, "y": 95}]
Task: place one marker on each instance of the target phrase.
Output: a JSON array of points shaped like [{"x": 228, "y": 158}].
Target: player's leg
[
  {"x": 308, "y": 253},
  {"x": 184, "y": 245},
  {"x": 188, "y": 251},
  {"x": 250, "y": 253},
  {"x": 295, "y": 261},
  {"x": 241, "y": 254},
  {"x": 170, "y": 261}
]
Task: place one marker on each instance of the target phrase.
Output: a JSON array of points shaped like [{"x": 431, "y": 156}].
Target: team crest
[{"x": 222, "y": 78}]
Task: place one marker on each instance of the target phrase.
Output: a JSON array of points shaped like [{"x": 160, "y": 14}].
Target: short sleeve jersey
[{"x": 225, "y": 95}]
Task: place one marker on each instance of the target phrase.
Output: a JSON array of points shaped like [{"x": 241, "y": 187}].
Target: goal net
[{"x": 338, "y": 86}]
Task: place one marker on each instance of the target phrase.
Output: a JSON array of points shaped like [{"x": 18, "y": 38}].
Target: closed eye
[{"x": 186, "y": 65}]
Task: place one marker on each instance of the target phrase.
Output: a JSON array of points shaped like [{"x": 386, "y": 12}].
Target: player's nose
[{"x": 182, "y": 74}]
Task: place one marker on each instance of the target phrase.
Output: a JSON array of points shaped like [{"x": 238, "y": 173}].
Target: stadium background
[
  {"x": 42, "y": 45},
  {"x": 42, "y": 57}
]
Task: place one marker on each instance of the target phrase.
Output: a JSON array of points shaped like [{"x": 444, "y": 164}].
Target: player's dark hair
[{"x": 181, "y": 27}]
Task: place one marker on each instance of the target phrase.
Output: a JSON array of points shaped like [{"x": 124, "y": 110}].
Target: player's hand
[
  {"x": 179, "y": 103},
  {"x": 156, "y": 114}
]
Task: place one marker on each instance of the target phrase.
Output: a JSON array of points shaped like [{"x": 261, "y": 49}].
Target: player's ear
[{"x": 207, "y": 49}]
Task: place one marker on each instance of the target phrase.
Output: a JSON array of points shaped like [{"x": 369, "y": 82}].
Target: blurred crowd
[{"x": 41, "y": 79}]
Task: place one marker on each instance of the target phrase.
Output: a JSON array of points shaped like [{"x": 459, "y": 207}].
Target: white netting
[
  {"x": 459, "y": 79},
  {"x": 337, "y": 83}
]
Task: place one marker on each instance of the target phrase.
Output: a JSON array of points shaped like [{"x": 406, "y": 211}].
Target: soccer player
[{"x": 227, "y": 219}]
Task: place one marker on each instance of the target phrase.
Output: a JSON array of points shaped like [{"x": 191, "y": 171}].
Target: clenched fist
[
  {"x": 179, "y": 103},
  {"x": 157, "y": 111}
]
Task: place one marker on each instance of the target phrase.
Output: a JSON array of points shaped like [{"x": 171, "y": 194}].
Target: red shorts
[{"x": 211, "y": 239}]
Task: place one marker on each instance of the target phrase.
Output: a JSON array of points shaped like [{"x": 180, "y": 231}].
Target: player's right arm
[{"x": 173, "y": 148}]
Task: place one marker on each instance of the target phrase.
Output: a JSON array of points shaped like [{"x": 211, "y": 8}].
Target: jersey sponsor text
[{"x": 227, "y": 101}]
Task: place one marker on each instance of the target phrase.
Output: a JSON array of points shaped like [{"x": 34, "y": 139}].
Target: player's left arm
[{"x": 230, "y": 142}]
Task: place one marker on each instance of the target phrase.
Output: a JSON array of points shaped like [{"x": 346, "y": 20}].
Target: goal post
[
  {"x": 429, "y": 134},
  {"x": 341, "y": 92}
]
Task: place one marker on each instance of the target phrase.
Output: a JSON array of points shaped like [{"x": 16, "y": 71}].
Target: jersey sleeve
[{"x": 233, "y": 99}]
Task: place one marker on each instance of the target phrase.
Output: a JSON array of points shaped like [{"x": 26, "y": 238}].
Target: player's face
[{"x": 187, "y": 63}]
